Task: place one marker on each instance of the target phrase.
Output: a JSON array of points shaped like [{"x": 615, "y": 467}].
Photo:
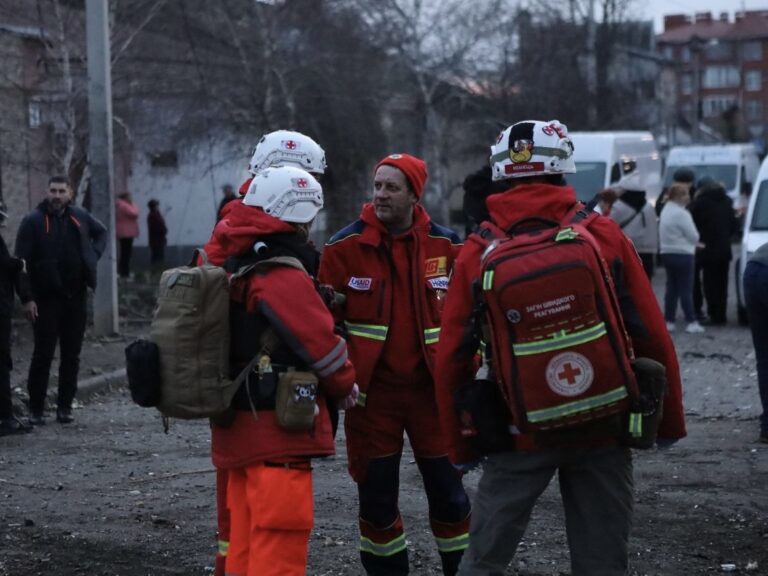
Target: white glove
[{"x": 351, "y": 400}]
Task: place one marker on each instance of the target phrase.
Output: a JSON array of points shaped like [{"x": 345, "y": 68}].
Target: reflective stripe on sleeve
[{"x": 332, "y": 361}]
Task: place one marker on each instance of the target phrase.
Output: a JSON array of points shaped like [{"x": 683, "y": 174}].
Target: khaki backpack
[{"x": 190, "y": 327}]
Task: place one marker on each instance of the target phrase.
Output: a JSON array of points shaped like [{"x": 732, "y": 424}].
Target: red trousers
[
  {"x": 222, "y": 520},
  {"x": 271, "y": 516}
]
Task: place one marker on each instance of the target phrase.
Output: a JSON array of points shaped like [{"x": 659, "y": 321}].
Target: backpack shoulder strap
[{"x": 274, "y": 262}]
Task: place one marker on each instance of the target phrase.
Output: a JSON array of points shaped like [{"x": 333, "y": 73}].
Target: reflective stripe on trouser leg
[
  {"x": 278, "y": 504},
  {"x": 449, "y": 510},
  {"x": 382, "y": 538}
]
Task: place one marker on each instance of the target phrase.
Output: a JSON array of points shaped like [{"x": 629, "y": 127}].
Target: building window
[
  {"x": 686, "y": 84},
  {"x": 718, "y": 50},
  {"x": 668, "y": 52},
  {"x": 685, "y": 54},
  {"x": 713, "y": 106},
  {"x": 752, "y": 51},
  {"x": 753, "y": 80},
  {"x": 753, "y": 109},
  {"x": 720, "y": 77}
]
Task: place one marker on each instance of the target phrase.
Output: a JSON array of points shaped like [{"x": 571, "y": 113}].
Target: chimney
[
  {"x": 724, "y": 17},
  {"x": 673, "y": 21},
  {"x": 739, "y": 16},
  {"x": 703, "y": 17}
]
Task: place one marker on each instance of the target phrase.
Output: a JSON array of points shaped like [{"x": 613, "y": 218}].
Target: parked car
[{"x": 755, "y": 233}]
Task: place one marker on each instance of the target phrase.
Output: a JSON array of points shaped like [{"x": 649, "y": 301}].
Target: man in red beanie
[{"x": 393, "y": 265}]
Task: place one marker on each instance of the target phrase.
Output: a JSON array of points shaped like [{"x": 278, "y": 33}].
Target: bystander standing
[
  {"x": 126, "y": 228},
  {"x": 61, "y": 245},
  {"x": 158, "y": 232}
]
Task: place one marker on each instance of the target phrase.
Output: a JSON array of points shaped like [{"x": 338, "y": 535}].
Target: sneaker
[
  {"x": 13, "y": 425},
  {"x": 670, "y": 326},
  {"x": 694, "y": 328},
  {"x": 37, "y": 419},
  {"x": 64, "y": 416}
]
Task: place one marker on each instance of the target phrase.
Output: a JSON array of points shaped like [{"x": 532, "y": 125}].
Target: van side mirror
[{"x": 746, "y": 188}]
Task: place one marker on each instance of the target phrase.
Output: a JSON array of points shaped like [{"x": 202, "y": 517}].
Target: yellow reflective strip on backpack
[
  {"x": 560, "y": 341},
  {"x": 460, "y": 542},
  {"x": 488, "y": 280},
  {"x": 635, "y": 424},
  {"x": 388, "y": 549},
  {"x": 571, "y": 408},
  {"x": 431, "y": 335},
  {"x": 372, "y": 331}
]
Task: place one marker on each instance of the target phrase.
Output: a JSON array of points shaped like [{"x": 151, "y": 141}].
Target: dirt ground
[{"x": 112, "y": 495}]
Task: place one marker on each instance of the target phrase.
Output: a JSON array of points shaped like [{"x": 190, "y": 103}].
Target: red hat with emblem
[{"x": 415, "y": 170}]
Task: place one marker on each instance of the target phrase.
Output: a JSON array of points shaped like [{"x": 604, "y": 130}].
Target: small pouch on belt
[{"x": 296, "y": 402}]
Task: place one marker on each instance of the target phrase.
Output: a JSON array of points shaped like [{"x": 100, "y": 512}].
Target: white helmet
[
  {"x": 532, "y": 148},
  {"x": 287, "y": 148},
  {"x": 287, "y": 193}
]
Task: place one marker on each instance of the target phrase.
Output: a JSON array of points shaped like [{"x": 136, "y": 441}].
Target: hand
[
  {"x": 30, "y": 311},
  {"x": 351, "y": 400}
]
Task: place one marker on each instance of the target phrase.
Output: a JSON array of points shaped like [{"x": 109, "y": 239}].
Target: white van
[
  {"x": 602, "y": 158},
  {"x": 735, "y": 165},
  {"x": 755, "y": 232}
]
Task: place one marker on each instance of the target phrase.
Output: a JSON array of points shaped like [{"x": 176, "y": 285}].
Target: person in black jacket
[
  {"x": 713, "y": 214},
  {"x": 11, "y": 281},
  {"x": 61, "y": 245}
]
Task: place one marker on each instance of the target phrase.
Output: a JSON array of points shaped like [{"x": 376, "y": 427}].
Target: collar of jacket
[
  {"x": 375, "y": 230},
  {"x": 528, "y": 200},
  {"x": 243, "y": 225}
]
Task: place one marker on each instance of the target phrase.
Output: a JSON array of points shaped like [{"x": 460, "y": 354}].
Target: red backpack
[{"x": 559, "y": 349}]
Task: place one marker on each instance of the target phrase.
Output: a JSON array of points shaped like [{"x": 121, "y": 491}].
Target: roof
[{"x": 748, "y": 25}]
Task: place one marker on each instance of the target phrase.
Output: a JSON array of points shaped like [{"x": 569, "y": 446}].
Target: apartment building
[{"x": 717, "y": 74}]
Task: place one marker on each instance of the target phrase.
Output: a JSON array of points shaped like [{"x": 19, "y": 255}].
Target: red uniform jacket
[
  {"x": 640, "y": 310},
  {"x": 356, "y": 262},
  {"x": 288, "y": 298}
]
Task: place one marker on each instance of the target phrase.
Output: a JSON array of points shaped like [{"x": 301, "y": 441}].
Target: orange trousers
[{"x": 271, "y": 516}]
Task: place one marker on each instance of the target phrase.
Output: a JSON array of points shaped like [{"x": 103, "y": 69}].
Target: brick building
[{"x": 717, "y": 70}]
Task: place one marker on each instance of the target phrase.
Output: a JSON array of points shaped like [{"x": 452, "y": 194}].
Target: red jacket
[
  {"x": 288, "y": 298},
  {"x": 642, "y": 316},
  {"x": 356, "y": 262}
]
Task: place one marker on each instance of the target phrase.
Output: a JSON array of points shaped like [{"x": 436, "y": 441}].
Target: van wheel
[{"x": 741, "y": 313}]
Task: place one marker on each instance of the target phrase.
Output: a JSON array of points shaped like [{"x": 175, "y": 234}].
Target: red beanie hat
[{"x": 415, "y": 170}]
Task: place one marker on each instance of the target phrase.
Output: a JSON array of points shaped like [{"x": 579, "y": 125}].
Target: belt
[{"x": 290, "y": 465}]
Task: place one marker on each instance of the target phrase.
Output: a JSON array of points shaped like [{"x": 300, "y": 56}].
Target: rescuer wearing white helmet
[
  {"x": 593, "y": 466},
  {"x": 266, "y": 457}
]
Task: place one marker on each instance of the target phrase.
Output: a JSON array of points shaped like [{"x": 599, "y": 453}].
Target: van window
[
  {"x": 725, "y": 173},
  {"x": 760, "y": 214},
  {"x": 588, "y": 180}
]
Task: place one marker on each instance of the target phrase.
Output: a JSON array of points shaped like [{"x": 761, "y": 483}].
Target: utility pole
[
  {"x": 105, "y": 311},
  {"x": 591, "y": 71}
]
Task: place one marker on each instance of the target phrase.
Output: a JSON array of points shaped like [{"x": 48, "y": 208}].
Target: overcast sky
[{"x": 656, "y": 9}]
